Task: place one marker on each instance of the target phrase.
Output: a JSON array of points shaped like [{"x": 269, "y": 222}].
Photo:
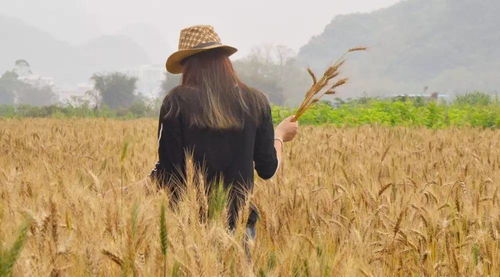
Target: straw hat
[{"x": 193, "y": 40}]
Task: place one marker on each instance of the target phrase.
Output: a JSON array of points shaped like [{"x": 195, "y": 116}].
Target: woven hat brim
[{"x": 174, "y": 65}]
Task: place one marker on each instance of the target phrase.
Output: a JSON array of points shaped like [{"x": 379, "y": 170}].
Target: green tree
[
  {"x": 272, "y": 70},
  {"x": 117, "y": 90},
  {"x": 35, "y": 96},
  {"x": 474, "y": 98},
  {"x": 170, "y": 82},
  {"x": 27, "y": 94},
  {"x": 8, "y": 86},
  {"x": 260, "y": 71}
]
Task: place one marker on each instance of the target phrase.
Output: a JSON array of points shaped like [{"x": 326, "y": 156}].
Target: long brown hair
[{"x": 224, "y": 102}]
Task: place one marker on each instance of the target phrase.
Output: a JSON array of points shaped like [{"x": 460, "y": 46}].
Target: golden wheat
[
  {"x": 322, "y": 87},
  {"x": 365, "y": 201}
]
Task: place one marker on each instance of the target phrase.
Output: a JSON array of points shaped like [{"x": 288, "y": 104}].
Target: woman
[{"x": 225, "y": 125}]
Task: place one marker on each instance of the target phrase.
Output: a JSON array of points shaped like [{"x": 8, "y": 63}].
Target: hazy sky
[{"x": 244, "y": 24}]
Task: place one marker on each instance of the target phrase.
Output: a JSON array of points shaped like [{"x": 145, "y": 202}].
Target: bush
[
  {"x": 137, "y": 110},
  {"x": 472, "y": 110},
  {"x": 398, "y": 113},
  {"x": 474, "y": 98},
  {"x": 7, "y": 111}
]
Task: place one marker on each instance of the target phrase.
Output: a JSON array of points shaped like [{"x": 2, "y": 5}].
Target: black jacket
[{"x": 230, "y": 154}]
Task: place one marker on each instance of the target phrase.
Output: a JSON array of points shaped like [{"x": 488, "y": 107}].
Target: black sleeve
[
  {"x": 266, "y": 161},
  {"x": 170, "y": 167}
]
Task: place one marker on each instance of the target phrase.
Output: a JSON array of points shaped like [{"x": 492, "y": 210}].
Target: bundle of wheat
[{"x": 320, "y": 87}]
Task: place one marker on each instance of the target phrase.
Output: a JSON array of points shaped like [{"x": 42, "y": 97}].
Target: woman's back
[{"x": 227, "y": 153}]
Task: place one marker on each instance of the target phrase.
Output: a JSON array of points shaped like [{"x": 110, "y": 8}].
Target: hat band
[{"x": 206, "y": 44}]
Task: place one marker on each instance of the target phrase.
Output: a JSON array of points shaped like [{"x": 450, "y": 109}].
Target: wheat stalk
[
  {"x": 113, "y": 257},
  {"x": 323, "y": 86},
  {"x": 163, "y": 239},
  {"x": 8, "y": 257}
]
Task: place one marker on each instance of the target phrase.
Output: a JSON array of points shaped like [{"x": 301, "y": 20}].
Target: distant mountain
[
  {"x": 68, "y": 64},
  {"x": 150, "y": 39},
  {"x": 69, "y": 20},
  {"x": 112, "y": 53},
  {"x": 448, "y": 45},
  {"x": 21, "y": 41}
]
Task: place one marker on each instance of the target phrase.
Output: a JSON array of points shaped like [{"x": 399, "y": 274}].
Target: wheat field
[{"x": 364, "y": 201}]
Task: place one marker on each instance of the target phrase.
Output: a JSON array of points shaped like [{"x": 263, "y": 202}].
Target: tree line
[{"x": 271, "y": 69}]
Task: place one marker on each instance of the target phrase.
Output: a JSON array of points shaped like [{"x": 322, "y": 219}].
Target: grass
[
  {"x": 474, "y": 109},
  {"x": 398, "y": 113},
  {"x": 350, "y": 201},
  {"x": 9, "y": 256}
]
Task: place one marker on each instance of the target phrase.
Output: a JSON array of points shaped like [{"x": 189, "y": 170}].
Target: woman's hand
[{"x": 287, "y": 129}]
